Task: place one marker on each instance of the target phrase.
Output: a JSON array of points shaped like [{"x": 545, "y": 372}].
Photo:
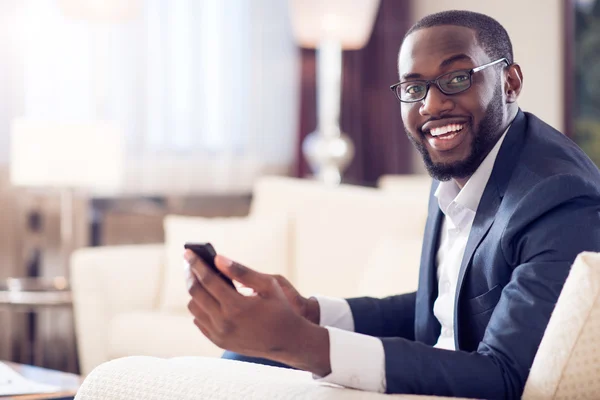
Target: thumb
[{"x": 246, "y": 276}]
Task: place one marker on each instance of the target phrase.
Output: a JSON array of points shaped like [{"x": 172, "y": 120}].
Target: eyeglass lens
[{"x": 450, "y": 83}]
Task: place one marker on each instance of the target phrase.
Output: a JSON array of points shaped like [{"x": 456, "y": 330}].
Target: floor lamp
[
  {"x": 66, "y": 157},
  {"x": 330, "y": 26}
]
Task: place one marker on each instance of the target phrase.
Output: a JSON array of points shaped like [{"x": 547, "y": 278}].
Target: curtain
[
  {"x": 370, "y": 113},
  {"x": 205, "y": 91}
]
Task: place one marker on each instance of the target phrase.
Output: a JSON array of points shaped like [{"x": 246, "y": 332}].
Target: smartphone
[{"x": 207, "y": 253}]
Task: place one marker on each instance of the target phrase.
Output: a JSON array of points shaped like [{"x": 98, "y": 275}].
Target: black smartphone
[{"x": 207, "y": 253}]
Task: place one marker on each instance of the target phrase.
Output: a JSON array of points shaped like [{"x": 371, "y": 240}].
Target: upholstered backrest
[
  {"x": 567, "y": 364},
  {"x": 337, "y": 238},
  {"x": 415, "y": 186},
  {"x": 340, "y": 234},
  {"x": 283, "y": 195}
]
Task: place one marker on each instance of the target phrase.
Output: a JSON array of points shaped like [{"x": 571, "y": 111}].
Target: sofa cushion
[
  {"x": 191, "y": 378},
  {"x": 261, "y": 243},
  {"x": 157, "y": 334},
  {"x": 392, "y": 267},
  {"x": 567, "y": 364}
]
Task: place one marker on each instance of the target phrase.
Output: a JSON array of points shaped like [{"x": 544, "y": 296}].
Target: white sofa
[
  {"x": 337, "y": 241},
  {"x": 566, "y": 366}
]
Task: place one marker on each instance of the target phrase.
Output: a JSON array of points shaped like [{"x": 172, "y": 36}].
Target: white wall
[{"x": 536, "y": 31}]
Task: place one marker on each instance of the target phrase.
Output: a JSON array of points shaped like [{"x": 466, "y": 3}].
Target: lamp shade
[
  {"x": 349, "y": 22},
  {"x": 50, "y": 154}
]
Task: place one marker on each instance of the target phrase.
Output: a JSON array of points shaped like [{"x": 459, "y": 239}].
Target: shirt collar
[{"x": 470, "y": 195}]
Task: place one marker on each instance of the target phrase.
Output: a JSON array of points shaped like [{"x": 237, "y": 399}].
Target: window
[{"x": 205, "y": 91}]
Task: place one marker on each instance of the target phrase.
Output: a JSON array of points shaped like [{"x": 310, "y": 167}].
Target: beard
[{"x": 484, "y": 139}]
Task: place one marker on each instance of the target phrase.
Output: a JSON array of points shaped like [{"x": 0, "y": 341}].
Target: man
[{"x": 513, "y": 202}]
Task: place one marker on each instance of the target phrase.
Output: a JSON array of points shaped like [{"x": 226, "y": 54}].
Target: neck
[
  {"x": 513, "y": 110},
  {"x": 512, "y": 114}
]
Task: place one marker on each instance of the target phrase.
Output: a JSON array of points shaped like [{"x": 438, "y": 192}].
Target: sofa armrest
[
  {"x": 106, "y": 281},
  {"x": 210, "y": 378}
]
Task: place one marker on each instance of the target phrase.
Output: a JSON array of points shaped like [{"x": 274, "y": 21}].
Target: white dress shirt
[{"x": 357, "y": 360}]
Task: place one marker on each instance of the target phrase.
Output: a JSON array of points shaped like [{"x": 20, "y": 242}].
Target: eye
[
  {"x": 458, "y": 79},
  {"x": 415, "y": 89}
]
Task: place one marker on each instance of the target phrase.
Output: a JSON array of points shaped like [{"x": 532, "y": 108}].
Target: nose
[{"x": 436, "y": 103}]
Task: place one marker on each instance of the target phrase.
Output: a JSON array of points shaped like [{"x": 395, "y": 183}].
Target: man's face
[{"x": 453, "y": 133}]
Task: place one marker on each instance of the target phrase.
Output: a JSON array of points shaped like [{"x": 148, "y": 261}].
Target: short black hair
[{"x": 490, "y": 34}]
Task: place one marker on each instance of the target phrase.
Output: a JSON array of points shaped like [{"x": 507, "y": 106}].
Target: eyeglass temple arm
[{"x": 490, "y": 64}]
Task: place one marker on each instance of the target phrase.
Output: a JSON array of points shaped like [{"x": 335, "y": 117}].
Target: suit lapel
[
  {"x": 484, "y": 218},
  {"x": 491, "y": 199},
  {"x": 427, "y": 327}
]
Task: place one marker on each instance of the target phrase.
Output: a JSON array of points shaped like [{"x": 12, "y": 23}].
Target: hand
[
  {"x": 271, "y": 323},
  {"x": 307, "y": 308}
]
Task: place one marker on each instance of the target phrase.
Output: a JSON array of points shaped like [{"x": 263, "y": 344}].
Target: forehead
[{"x": 424, "y": 50}]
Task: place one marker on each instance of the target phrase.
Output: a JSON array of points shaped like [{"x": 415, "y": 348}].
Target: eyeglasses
[{"x": 450, "y": 83}]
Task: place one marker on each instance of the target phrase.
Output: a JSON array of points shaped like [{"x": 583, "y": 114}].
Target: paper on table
[{"x": 12, "y": 383}]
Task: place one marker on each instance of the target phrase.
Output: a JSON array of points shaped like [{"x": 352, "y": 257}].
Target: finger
[
  {"x": 246, "y": 276},
  {"x": 189, "y": 256},
  {"x": 202, "y": 320},
  {"x": 190, "y": 278},
  {"x": 209, "y": 333},
  {"x": 205, "y": 331},
  {"x": 210, "y": 280},
  {"x": 198, "y": 312},
  {"x": 290, "y": 290},
  {"x": 204, "y": 299},
  {"x": 283, "y": 282}
]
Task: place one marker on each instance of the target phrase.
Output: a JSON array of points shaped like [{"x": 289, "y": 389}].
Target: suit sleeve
[
  {"x": 392, "y": 316},
  {"x": 552, "y": 223}
]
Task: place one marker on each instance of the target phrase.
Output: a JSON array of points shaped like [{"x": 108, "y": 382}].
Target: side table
[
  {"x": 68, "y": 383},
  {"x": 30, "y": 295}
]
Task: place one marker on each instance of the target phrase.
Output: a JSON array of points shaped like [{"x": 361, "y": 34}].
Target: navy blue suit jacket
[{"x": 540, "y": 208}]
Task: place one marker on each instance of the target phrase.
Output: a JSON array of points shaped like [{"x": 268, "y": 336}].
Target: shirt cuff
[
  {"x": 335, "y": 312},
  {"x": 357, "y": 361}
]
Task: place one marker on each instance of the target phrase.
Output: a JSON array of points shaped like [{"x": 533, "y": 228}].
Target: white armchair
[
  {"x": 100, "y": 296},
  {"x": 567, "y": 365}
]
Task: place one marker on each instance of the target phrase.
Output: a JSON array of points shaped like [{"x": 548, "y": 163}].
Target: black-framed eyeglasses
[{"x": 449, "y": 83}]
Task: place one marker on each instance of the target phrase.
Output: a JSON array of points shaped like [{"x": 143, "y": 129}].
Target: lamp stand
[{"x": 328, "y": 150}]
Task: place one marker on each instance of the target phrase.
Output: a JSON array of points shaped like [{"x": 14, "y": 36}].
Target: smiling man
[{"x": 512, "y": 204}]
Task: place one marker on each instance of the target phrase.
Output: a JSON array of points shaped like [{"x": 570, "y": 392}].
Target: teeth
[
  {"x": 451, "y": 136},
  {"x": 445, "y": 129}
]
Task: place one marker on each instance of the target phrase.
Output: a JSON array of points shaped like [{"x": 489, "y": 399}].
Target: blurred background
[{"x": 114, "y": 114}]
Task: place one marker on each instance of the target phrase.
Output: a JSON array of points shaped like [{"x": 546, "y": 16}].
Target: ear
[{"x": 513, "y": 83}]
